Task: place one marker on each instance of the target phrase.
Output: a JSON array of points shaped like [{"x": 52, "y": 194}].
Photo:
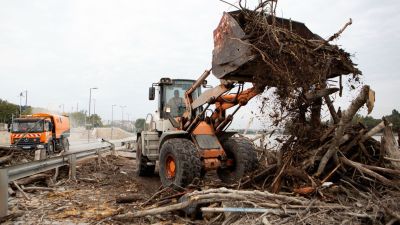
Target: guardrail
[{"x": 15, "y": 172}]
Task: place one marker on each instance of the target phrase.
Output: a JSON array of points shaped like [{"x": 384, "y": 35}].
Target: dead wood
[
  {"x": 345, "y": 121},
  {"x": 30, "y": 189},
  {"x": 373, "y": 131},
  {"x": 312, "y": 96},
  {"x": 11, "y": 216},
  {"x": 213, "y": 195},
  {"x": 367, "y": 171},
  {"x": 332, "y": 110},
  {"x": 129, "y": 198},
  {"x": 22, "y": 191},
  {"x": 6, "y": 159},
  {"x": 32, "y": 179},
  {"x": 389, "y": 145}
]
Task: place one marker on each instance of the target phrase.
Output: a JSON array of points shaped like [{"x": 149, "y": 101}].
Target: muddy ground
[{"x": 91, "y": 199}]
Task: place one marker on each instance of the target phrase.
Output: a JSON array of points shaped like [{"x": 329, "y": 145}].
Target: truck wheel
[
  {"x": 242, "y": 153},
  {"x": 141, "y": 161},
  {"x": 179, "y": 162},
  {"x": 65, "y": 144},
  {"x": 50, "y": 148}
]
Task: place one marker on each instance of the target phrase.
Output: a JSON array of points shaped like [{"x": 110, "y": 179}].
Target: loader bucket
[{"x": 233, "y": 56}]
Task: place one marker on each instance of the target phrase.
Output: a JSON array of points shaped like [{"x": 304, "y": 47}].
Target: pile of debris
[
  {"x": 11, "y": 156},
  {"x": 324, "y": 172}
]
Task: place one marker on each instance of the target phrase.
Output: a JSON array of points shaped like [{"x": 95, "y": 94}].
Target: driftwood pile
[
  {"x": 10, "y": 156},
  {"x": 325, "y": 172}
]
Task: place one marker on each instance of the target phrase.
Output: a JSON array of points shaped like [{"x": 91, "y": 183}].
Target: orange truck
[{"x": 41, "y": 131}]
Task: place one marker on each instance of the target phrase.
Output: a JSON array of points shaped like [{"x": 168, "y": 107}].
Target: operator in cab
[{"x": 176, "y": 105}]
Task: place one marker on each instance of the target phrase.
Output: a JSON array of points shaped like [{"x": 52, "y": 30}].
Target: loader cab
[{"x": 171, "y": 96}]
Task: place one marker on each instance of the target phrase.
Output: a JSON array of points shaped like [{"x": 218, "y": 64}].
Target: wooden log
[
  {"x": 213, "y": 195},
  {"x": 32, "y": 179},
  {"x": 29, "y": 189},
  {"x": 312, "y": 96},
  {"x": 367, "y": 171},
  {"x": 332, "y": 111},
  {"x": 128, "y": 198},
  {"x": 6, "y": 158},
  {"x": 316, "y": 113},
  {"x": 345, "y": 121},
  {"x": 373, "y": 131},
  {"x": 389, "y": 145},
  {"x": 22, "y": 191}
]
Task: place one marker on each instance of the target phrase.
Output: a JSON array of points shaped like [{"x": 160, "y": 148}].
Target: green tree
[
  {"x": 139, "y": 124},
  {"x": 7, "y": 109},
  {"x": 394, "y": 118},
  {"x": 95, "y": 120}
]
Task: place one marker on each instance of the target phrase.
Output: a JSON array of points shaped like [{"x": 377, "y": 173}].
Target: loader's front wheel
[
  {"x": 242, "y": 155},
  {"x": 179, "y": 162},
  {"x": 143, "y": 169}
]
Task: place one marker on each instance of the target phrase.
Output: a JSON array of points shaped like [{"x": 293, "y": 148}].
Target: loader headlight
[
  {"x": 40, "y": 146},
  {"x": 168, "y": 109}
]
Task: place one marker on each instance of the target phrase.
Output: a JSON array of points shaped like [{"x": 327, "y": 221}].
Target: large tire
[
  {"x": 143, "y": 169},
  {"x": 50, "y": 148},
  {"x": 180, "y": 162},
  {"x": 243, "y": 153},
  {"x": 65, "y": 144}
]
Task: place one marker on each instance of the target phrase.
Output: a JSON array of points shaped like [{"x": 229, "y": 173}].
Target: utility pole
[
  {"x": 26, "y": 98},
  {"x": 20, "y": 103},
  {"x": 77, "y": 110},
  {"x": 94, "y": 106},
  {"x": 90, "y": 103},
  {"x": 122, "y": 114},
  {"x": 112, "y": 120}
]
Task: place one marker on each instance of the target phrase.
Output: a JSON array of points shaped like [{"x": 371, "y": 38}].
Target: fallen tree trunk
[
  {"x": 389, "y": 145},
  {"x": 365, "y": 170},
  {"x": 6, "y": 158},
  {"x": 345, "y": 121},
  {"x": 128, "y": 198},
  {"x": 214, "y": 195},
  {"x": 32, "y": 179}
]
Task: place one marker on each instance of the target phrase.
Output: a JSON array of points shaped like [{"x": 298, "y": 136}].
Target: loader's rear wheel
[
  {"x": 179, "y": 162},
  {"x": 141, "y": 161},
  {"x": 242, "y": 153}
]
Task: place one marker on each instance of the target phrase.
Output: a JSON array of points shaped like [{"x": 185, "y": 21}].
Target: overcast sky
[{"x": 57, "y": 50}]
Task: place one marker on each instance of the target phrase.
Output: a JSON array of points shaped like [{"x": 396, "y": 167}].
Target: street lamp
[
  {"x": 122, "y": 113},
  {"x": 94, "y": 106},
  {"x": 112, "y": 120},
  {"x": 61, "y": 107},
  {"x": 90, "y": 103}
]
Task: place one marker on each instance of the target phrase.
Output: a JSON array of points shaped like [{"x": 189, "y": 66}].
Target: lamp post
[
  {"x": 122, "y": 114},
  {"x": 94, "y": 106},
  {"x": 90, "y": 102},
  {"x": 61, "y": 107},
  {"x": 112, "y": 120},
  {"x": 20, "y": 103}
]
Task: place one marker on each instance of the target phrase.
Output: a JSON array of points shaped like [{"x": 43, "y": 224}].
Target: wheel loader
[{"x": 187, "y": 133}]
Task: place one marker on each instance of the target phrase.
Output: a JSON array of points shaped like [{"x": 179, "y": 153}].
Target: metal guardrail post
[
  {"x": 3, "y": 192},
  {"x": 98, "y": 158},
  {"x": 113, "y": 151},
  {"x": 72, "y": 167}
]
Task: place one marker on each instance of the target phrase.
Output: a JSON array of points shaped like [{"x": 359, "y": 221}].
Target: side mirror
[
  {"x": 152, "y": 93},
  {"x": 9, "y": 127}
]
